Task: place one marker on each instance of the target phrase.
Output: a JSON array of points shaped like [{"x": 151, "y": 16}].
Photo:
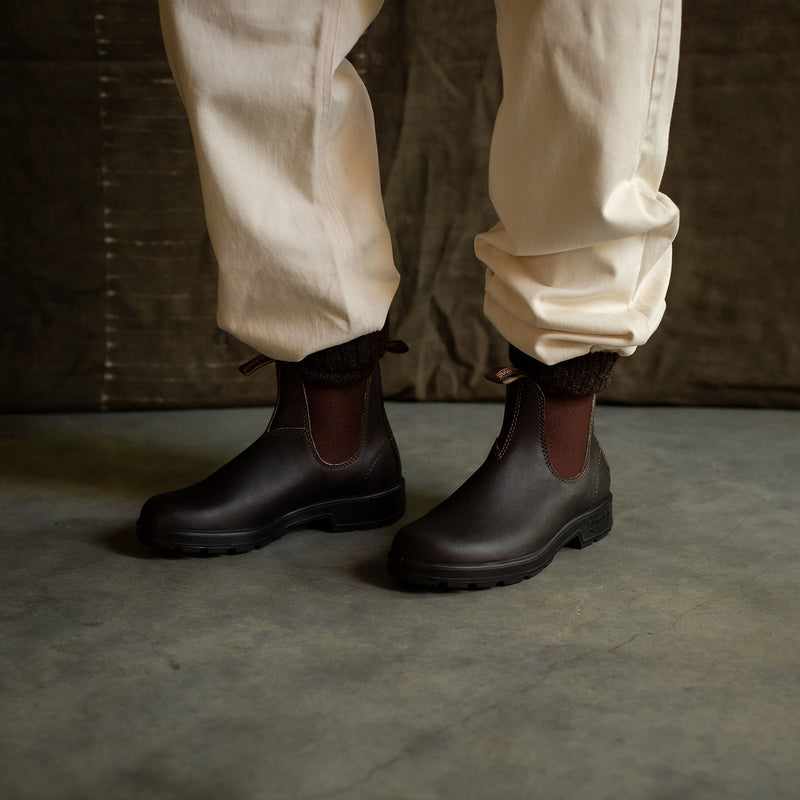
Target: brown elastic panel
[
  {"x": 335, "y": 418},
  {"x": 567, "y": 427}
]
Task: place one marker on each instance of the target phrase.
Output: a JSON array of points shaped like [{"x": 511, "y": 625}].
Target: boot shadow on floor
[
  {"x": 66, "y": 453},
  {"x": 121, "y": 540},
  {"x": 373, "y": 570}
]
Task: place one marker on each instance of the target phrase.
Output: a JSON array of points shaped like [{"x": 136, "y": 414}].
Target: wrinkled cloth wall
[{"x": 109, "y": 281}]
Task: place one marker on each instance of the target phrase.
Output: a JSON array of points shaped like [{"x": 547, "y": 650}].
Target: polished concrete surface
[{"x": 662, "y": 662}]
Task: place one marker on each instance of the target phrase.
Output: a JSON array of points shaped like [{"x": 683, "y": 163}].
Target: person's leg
[
  {"x": 286, "y": 149},
  {"x": 577, "y": 272},
  {"x": 285, "y": 143},
  {"x": 580, "y": 259}
]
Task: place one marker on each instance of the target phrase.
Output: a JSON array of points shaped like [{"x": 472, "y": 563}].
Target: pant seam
[
  {"x": 346, "y": 240},
  {"x": 663, "y": 32}
]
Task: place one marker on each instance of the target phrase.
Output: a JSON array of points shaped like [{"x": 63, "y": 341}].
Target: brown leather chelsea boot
[
  {"x": 544, "y": 485},
  {"x": 328, "y": 457}
]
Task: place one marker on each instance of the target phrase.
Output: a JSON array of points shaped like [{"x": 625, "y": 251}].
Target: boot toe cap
[
  {"x": 437, "y": 541},
  {"x": 173, "y": 511}
]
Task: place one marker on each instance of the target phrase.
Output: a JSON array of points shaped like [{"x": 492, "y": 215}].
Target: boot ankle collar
[{"x": 396, "y": 346}]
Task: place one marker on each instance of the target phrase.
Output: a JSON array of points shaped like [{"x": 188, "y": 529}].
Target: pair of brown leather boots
[{"x": 328, "y": 458}]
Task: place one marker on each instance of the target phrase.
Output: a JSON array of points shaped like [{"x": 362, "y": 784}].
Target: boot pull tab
[
  {"x": 249, "y": 367},
  {"x": 397, "y": 346},
  {"x": 505, "y": 375}
]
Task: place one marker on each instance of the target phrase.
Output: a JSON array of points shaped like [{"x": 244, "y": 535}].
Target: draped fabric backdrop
[{"x": 108, "y": 279}]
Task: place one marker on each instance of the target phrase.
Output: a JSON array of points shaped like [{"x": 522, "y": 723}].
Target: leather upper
[
  {"x": 515, "y": 503},
  {"x": 283, "y": 470}
]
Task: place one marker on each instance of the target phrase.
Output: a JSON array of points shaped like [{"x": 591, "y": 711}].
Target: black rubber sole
[
  {"x": 579, "y": 532},
  {"x": 347, "y": 514}
]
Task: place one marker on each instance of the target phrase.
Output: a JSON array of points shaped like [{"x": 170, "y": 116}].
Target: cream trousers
[{"x": 581, "y": 256}]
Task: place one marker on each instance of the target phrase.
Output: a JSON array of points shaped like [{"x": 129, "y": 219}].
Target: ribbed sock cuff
[
  {"x": 576, "y": 377},
  {"x": 345, "y": 363}
]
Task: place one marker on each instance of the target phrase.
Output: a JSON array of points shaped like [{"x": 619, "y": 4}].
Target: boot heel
[
  {"x": 592, "y": 526},
  {"x": 364, "y": 513}
]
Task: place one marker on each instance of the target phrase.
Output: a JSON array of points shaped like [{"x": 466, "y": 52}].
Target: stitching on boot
[
  {"x": 597, "y": 473},
  {"x": 601, "y": 459},
  {"x": 375, "y": 460},
  {"x": 501, "y": 451},
  {"x": 277, "y": 400}
]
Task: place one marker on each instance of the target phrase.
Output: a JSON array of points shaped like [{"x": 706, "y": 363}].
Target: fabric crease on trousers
[{"x": 580, "y": 258}]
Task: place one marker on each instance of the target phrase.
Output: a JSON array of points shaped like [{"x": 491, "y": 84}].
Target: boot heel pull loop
[
  {"x": 505, "y": 375},
  {"x": 397, "y": 346},
  {"x": 249, "y": 367}
]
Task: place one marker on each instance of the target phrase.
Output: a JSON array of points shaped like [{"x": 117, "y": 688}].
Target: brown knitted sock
[
  {"x": 577, "y": 377},
  {"x": 346, "y": 363}
]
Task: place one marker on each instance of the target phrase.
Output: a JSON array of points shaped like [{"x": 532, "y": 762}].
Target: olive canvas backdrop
[{"x": 108, "y": 277}]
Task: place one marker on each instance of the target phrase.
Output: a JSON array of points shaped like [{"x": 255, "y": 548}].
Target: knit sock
[
  {"x": 346, "y": 363},
  {"x": 578, "y": 377}
]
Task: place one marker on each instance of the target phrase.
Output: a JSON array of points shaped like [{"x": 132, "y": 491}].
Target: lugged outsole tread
[
  {"x": 326, "y": 519},
  {"x": 596, "y": 528}
]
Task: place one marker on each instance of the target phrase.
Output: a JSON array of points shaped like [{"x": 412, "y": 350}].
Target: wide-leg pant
[{"x": 580, "y": 258}]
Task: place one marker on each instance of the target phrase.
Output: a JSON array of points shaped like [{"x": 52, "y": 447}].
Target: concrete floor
[{"x": 663, "y": 662}]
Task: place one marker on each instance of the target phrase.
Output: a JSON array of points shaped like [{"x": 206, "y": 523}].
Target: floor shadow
[
  {"x": 373, "y": 569},
  {"x": 122, "y": 541},
  {"x": 418, "y": 504},
  {"x": 46, "y": 454},
  {"x": 374, "y": 572}
]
